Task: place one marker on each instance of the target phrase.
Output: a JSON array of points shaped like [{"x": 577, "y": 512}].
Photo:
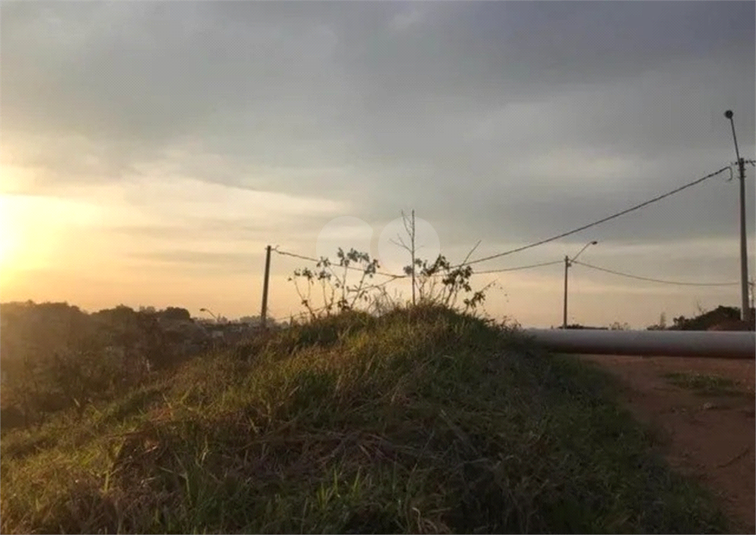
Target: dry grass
[{"x": 422, "y": 420}]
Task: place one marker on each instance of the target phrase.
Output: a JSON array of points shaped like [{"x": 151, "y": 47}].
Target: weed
[
  {"x": 704, "y": 385},
  {"x": 421, "y": 420}
]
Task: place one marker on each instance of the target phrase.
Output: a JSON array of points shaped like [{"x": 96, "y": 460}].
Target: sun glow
[
  {"x": 35, "y": 233},
  {"x": 10, "y": 233}
]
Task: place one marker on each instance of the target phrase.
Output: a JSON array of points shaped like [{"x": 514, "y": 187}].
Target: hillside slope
[{"x": 418, "y": 421}]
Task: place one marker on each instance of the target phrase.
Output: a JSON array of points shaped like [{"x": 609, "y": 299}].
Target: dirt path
[{"x": 708, "y": 437}]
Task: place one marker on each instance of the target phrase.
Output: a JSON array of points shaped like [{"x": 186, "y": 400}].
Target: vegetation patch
[
  {"x": 705, "y": 385},
  {"x": 420, "y": 420}
]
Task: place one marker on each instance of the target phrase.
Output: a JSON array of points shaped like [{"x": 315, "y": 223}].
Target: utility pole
[
  {"x": 567, "y": 264},
  {"x": 745, "y": 308},
  {"x": 412, "y": 236},
  {"x": 566, "y": 268},
  {"x": 264, "y": 312}
]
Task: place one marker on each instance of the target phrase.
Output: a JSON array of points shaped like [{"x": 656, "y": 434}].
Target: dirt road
[{"x": 709, "y": 434}]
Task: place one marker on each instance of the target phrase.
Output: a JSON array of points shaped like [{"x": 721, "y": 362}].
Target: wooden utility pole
[
  {"x": 412, "y": 236},
  {"x": 264, "y": 312},
  {"x": 567, "y": 265},
  {"x": 566, "y": 271},
  {"x": 745, "y": 311}
]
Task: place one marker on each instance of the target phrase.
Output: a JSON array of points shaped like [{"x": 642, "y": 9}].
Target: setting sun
[{"x": 36, "y": 232}]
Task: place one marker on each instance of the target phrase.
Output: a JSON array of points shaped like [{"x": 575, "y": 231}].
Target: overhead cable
[
  {"x": 598, "y": 222},
  {"x": 678, "y": 283}
]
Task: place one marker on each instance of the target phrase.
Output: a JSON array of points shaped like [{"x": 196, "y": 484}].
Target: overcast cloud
[{"x": 213, "y": 128}]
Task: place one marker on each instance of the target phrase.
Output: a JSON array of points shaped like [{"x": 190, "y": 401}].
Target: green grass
[
  {"x": 704, "y": 385},
  {"x": 418, "y": 421}
]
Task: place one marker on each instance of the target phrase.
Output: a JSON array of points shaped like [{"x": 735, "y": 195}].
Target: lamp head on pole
[
  {"x": 581, "y": 251},
  {"x": 728, "y": 114}
]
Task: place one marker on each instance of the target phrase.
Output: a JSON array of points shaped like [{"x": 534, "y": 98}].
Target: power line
[
  {"x": 295, "y": 255},
  {"x": 655, "y": 280},
  {"x": 382, "y": 284},
  {"x": 392, "y": 277},
  {"x": 336, "y": 264},
  {"x": 518, "y": 268},
  {"x": 603, "y": 220}
]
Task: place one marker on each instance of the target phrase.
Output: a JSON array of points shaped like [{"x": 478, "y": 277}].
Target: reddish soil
[{"x": 708, "y": 438}]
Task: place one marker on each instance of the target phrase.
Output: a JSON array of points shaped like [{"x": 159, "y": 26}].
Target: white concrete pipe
[{"x": 712, "y": 344}]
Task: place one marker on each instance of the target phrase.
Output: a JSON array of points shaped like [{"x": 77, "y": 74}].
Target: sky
[{"x": 152, "y": 149}]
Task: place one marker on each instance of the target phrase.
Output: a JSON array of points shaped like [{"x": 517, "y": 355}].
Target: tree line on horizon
[{"x": 54, "y": 355}]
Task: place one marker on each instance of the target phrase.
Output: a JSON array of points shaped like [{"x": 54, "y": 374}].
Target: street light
[
  {"x": 567, "y": 263},
  {"x": 745, "y": 309},
  {"x": 209, "y": 312}
]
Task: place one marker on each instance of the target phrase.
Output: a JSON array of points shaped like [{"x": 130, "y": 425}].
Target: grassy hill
[{"x": 418, "y": 421}]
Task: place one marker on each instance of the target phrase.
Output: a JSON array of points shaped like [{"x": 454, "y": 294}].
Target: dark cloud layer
[{"x": 491, "y": 119}]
